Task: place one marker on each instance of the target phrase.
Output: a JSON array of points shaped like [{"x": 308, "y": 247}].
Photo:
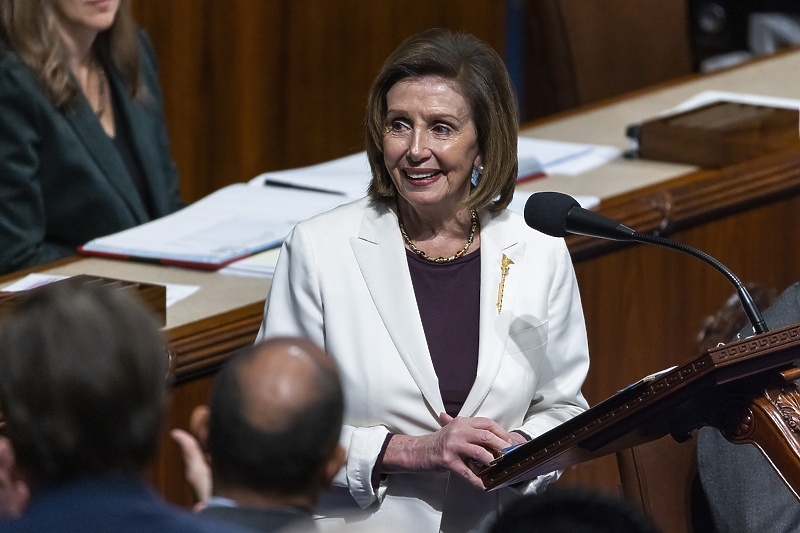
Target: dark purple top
[{"x": 448, "y": 298}]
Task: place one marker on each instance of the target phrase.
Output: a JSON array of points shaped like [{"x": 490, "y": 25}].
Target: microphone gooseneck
[{"x": 559, "y": 215}]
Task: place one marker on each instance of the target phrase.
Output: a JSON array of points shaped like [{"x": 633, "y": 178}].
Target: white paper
[
  {"x": 565, "y": 158},
  {"x": 261, "y": 265},
  {"x": 31, "y": 281},
  {"x": 175, "y": 292},
  {"x": 350, "y": 175},
  {"x": 232, "y": 222},
  {"x": 708, "y": 97}
]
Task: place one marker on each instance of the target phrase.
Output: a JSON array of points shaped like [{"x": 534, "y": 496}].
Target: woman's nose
[{"x": 418, "y": 147}]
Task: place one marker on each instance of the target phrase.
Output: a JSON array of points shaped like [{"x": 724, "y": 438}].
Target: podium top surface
[{"x": 674, "y": 402}]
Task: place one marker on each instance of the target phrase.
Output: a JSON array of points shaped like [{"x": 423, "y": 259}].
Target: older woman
[
  {"x": 458, "y": 329},
  {"x": 83, "y": 146}
]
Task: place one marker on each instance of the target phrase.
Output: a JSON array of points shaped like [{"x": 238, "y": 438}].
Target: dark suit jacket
[
  {"x": 116, "y": 504},
  {"x": 262, "y": 520},
  {"x": 62, "y": 180},
  {"x": 744, "y": 493}
]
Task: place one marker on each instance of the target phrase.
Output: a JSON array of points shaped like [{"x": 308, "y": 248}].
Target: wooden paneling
[
  {"x": 257, "y": 85},
  {"x": 582, "y": 51},
  {"x": 199, "y": 349}
]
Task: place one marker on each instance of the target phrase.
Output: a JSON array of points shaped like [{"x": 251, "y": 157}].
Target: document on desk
[
  {"x": 260, "y": 265},
  {"x": 350, "y": 175},
  {"x": 246, "y": 218},
  {"x": 546, "y": 157},
  {"x": 175, "y": 291},
  {"x": 229, "y": 224},
  {"x": 708, "y": 97}
]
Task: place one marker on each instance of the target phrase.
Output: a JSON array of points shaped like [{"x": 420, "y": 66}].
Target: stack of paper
[
  {"x": 540, "y": 157},
  {"x": 350, "y": 175},
  {"x": 260, "y": 265},
  {"x": 232, "y": 223},
  {"x": 241, "y": 220}
]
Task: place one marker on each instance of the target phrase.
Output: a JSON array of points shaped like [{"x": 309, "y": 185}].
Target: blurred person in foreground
[
  {"x": 271, "y": 432},
  {"x": 83, "y": 144},
  {"x": 457, "y": 328},
  {"x": 572, "y": 510},
  {"x": 83, "y": 390}
]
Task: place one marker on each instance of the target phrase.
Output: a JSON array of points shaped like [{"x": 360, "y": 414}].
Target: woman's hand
[{"x": 462, "y": 446}]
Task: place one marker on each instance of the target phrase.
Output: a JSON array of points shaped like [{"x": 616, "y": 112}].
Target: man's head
[
  {"x": 275, "y": 417},
  {"x": 83, "y": 383}
]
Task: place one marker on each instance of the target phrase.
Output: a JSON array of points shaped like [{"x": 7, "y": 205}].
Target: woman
[
  {"x": 458, "y": 329},
  {"x": 83, "y": 146}
]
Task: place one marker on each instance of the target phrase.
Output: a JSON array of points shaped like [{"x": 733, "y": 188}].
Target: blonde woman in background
[{"x": 83, "y": 146}]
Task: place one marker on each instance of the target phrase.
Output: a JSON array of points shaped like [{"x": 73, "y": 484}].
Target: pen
[{"x": 277, "y": 183}]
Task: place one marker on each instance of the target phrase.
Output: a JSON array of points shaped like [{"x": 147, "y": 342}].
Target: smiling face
[{"x": 430, "y": 144}]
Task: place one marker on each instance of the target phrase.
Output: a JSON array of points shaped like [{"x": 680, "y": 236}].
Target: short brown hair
[{"x": 482, "y": 79}]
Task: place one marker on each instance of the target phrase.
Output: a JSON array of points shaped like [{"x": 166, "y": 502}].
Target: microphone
[{"x": 558, "y": 215}]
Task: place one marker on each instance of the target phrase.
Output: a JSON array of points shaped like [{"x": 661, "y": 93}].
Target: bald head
[
  {"x": 275, "y": 416},
  {"x": 281, "y": 380}
]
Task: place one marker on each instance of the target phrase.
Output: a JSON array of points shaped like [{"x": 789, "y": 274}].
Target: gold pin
[{"x": 504, "y": 264}]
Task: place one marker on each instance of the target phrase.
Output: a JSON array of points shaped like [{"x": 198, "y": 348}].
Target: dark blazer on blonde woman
[{"x": 62, "y": 180}]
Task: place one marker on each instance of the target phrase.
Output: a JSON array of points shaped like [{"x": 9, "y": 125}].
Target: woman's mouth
[{"x": 421, "y": 174}]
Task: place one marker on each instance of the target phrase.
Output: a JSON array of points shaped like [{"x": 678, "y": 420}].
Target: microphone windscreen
[{"x": 547, "y": 212}]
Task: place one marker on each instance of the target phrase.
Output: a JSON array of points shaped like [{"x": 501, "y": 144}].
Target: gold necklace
[
  {"x": 102, "y": 92},
  {"x": 95, "y": 70},
  {"x": 413, "y": 247}
]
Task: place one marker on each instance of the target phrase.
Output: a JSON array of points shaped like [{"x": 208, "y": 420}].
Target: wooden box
[
  {"x": 719, "y": 134},
  {"x": 153, "y": 296}
]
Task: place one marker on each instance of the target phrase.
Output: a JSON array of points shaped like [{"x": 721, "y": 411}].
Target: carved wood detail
[
  {"x": 201, "y": 347},
  {"x": 772, "y": 423}
]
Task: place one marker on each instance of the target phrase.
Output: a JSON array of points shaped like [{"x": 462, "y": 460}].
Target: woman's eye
[
  {"x": 441, "y": 129},
  {"x": 397, "y": 125}
]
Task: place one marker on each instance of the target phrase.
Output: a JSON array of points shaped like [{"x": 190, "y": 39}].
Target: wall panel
[{"x": 257, "y": 85}]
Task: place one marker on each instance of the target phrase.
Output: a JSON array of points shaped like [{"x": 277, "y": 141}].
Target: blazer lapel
[
  {"x": 496, "y": 242},
  {"x": 141, "y": 132},
  {"x": 91, "y": 134},
  {"x": 381, "y": 257}
]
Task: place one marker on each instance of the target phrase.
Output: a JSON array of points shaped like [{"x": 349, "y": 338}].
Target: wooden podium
[{"x": 745, "y": 388}]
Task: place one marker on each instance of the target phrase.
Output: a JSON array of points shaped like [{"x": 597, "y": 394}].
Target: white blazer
[{"x": 342, "y": 280}]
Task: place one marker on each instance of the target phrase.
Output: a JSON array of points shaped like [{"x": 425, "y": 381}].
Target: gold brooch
[{"x": 504, "y": 264}]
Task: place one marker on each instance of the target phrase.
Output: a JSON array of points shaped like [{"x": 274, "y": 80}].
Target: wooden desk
[{"x": 644, "y": 305}]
